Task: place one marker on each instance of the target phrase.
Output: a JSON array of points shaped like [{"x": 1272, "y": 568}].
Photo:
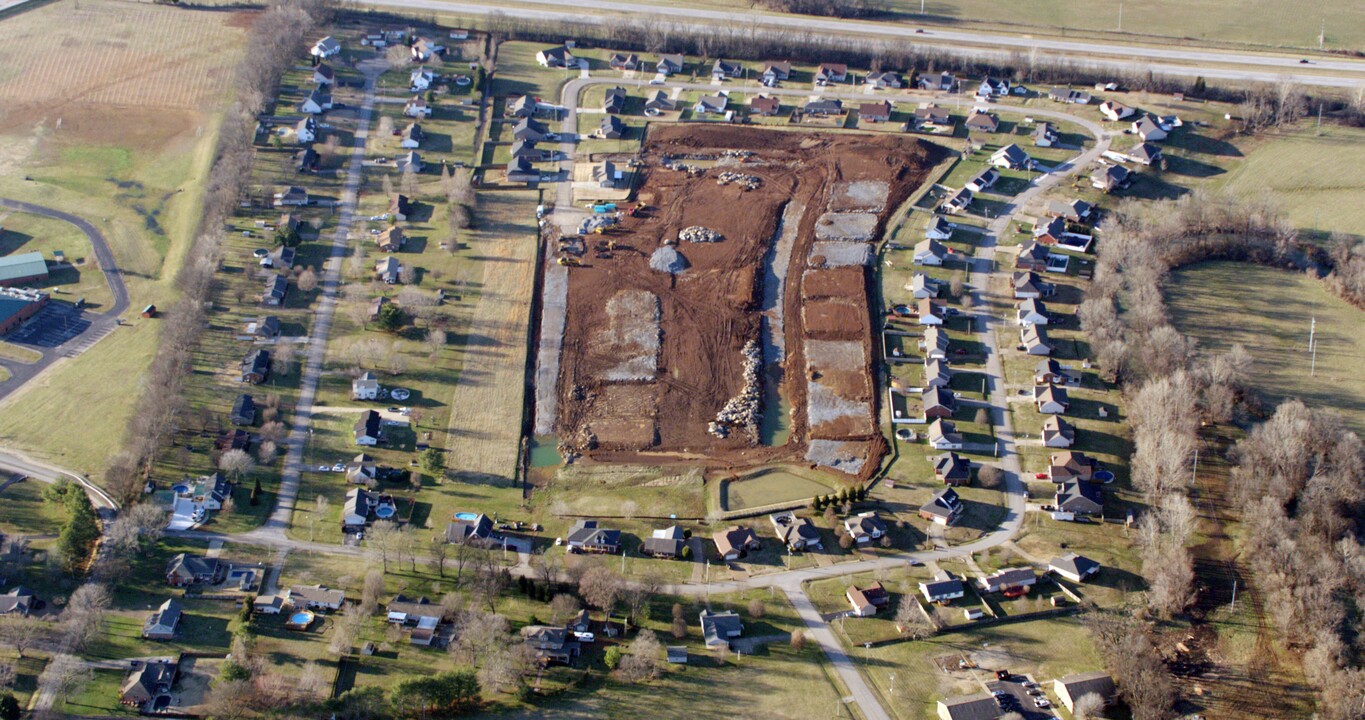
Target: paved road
[
  {"x": 322, "y": 324},
  {"x": 101, "y": 324},
  {"x": 14, "y": 461},
  {"x": 1183, "y": 61}
]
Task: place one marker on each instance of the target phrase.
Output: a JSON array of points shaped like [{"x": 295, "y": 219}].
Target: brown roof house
[
  {"x": 391, "y": 239},
  {"x": 735, "y": 542},
  {"x": 866, "y": 601},
  {"x": 1072, "y": 465}
]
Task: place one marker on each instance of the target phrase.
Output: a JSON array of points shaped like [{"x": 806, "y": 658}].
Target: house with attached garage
[
  {"x": 1055, "y": 373},
  {"x": 611, "y": 128},
  {"x": 147, "y": 682},
  {"x": 829, "y": 73},
  {"x": 1149, "y": 128},
  {"x": 520, "y": 169},
  {"x": 943, "y": 435},
  {"x": 669, "y": 63},
  {"x": 1049, "y": 232},
  {"x": 1008, "y": 579},
  {"x": 550, "y": 645},
  {"x": 866, "y": 601},
  {"x": 412, "y": 136},
  {"x": 1027, "y": 285},
  {"x": 865, "y": 527},
  {"x": 665, "y": 543},
  {"x": 417, "y": 108},
  {"x": 659, "y": 101},
  {"x": 1109, "y": 178},
  {"x": 359, "y": 505},
  {"x": 953, "y": 469},
  {"x": 317, "y": 102},
  {"x": 957, "y": 202},
  {"x": 765, "y": 105},
  {"x": 1115, "y": 111},
  {"x": 775, "y": 72},
  {"x": 556, "y": 57},
  {"x": 586, "y": 537},
  {"x": 306, "y": 130},
  {"x": 983, "y": 180},
  {"x": 1073, "y": 567},
  {"x": 1057, "y": 432},
  {"x": 1031, "y": 312},
  {"x": 1069, "y": 96},
  {"x": 944, "y": 508},
  {"x": 885, "y": 80},
  {"x": 943, "y": 587},
  {"x": 796, "y": 533},
  {"x": 823, "y": 107},
  {"x": 1071, "y": 688},
  {"x": 992, "y": 87},
  {"x": 316, "y": 597},
  {"x": 1034, "y": 340},
  {"x": 368, "y": 428},
  {"x": 243, "y": 410},
  {"x": 1013, "y": 157},
  {"x": 410, "y": 159},
  {"x": 936, "y": 372},
  {"x": 388, "y": 270},
  {"x": 185, "y": 570},
  {"x": 1076, "y": 211},
  {"x": 164, "y": 622},
  {"x": 1045, "y": 135},
  {"x": 938, "y": 402},
  {"x": 625, "y": 62},
  {"x": 361, "y": 470},
  {"x": 719, "y": 628},
  {"x": 477, "y": 532},
  {"x": 292, "y": 196},
  {"x": 323, "y": 74},
  {"x": 325, "y": 48},
  {"x": 614, "y": 102},
  {"x": 256, "y": 367},
  {"x": 922, "y": 286},
  {"x": 935, "y": 343},
  {"x": 400, "y": 207},
  {"x": 942, "y": 81},
  {"x": 982, "y": 121},
  {"x": 932, "y": 118},
  {"x": 420, "y": 79},
  {"x": 1079, "y": 498},
  {"x": 1050, "y": 399},
  {"x": 877, "y": 112},
  {"x": 735, "y": 542},
  {"x": 1072, "y": 465},
  {"x": 524, "y": 106},
  {"x": 724, "y": 69},
  {"x": 930, "y": 252},
  {"x": 930, "y": 311},
  {"x": 711, "y": 104},
  {"x": 939, "y": 228},
  {"x": 1032, "y": 256},
  {"x": 1143, "y": 154},
  {"x": 391, "y": 238}
]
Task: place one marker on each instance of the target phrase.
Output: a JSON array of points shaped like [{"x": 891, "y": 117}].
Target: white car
[
  {"x": 324, "y": 468},
  {"x": 339, "y": 467},
  {"x": 586, "y": 637},
  {"x": 1042, "y": 702}
]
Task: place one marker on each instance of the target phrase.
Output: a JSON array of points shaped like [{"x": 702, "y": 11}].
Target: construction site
[{"x": 733, "y": 283}]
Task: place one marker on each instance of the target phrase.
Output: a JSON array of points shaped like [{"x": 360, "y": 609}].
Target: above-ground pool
[
  {"x": 180, "y": 489},
  {"x": 300, "y": 620},
  {"x": 383, "y": 511},
  {"x": 1103, "y": 476},
  {"x": 466, "y": 516}
]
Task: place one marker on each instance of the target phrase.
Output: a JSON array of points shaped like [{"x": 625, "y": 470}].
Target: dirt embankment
[{"x": 707, "y": 312}]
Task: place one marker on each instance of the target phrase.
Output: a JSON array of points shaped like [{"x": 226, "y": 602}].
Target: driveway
[{"x": 60, "y": 330}]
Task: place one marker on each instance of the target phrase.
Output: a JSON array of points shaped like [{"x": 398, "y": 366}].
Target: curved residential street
[{"x": 100, "y": 324}]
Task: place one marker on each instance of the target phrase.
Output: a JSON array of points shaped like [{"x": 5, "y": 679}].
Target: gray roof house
[
  {"x": 944, "y": 586},
  {"x": 162, "y": 624},
  {"x": 981, "y": 706},
  {"x": 865, "y": 527},
  {"x": 243, "y": 410},
  {"x": 1071, "y": 688},
  {"x": 1008, "y": 579},
  {"x": 718, "y": 628},
  {"x": 1073, "y": 567},
  {"x": 943, "y": 508},
  {"x": 586, "y": 536},
  {"x": 797, "y": 533},
  {"x": 1079, "y": 497}
]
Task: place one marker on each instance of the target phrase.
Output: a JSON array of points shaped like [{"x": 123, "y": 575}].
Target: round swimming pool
[
  {"x": 180, "y": 488},
  {"x": 300, "y": 620},
  {"x": 383, "y": 511},
  {"x": 466, "y": 516},
  {"x": 1103, "y": 476}
]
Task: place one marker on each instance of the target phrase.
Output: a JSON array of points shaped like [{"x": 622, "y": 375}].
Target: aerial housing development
[{"x": 776, "y": 360}]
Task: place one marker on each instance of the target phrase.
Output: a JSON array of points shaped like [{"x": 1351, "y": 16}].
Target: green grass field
[
  {"x": 1269, "y": 312},
  {"x": 1312, "y": 176}
]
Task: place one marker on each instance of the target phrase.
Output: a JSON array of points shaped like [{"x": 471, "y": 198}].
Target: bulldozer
[{"x": 569, "y": 261}]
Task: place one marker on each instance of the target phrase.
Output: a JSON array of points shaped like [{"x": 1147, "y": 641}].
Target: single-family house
[
  {"x": 943, "y": 587},
  {"x": 939, "y": 228},
  {"x": 935, "y": 343},
  {"x": 665, "y": 543},
  {"x": 388, "y": 269},
  {"x": 1143, "y": 154},
  {"x": 1007, "y": 579},
  {"x": 611, "y": 128},
  {"x": 885, "y": 80},
  {"x": 147, "y": 682},
  {"x": 361, "y": 470},
  {"x": 317, "y": 102},
  {"x": 359, "y": 505},
  {"x": 1051, "y": 371},
  {"x": 797, "y": 533},
  {"x": 723, "y": 69},
  {"x": 1073, "y": 567},
  {"x": 775, "y": 72},
  {"x": 1013, "y": 157},
  {"x": 765, "y": 105},
  {"x": 626, "y": 62},
  {"x": 659, "y": 101},
  {"x": 306, "y": 160},
  {"x": 256, "y": 367},
  {"x": 937, "y": 373},
  {"x": 1116, "y": 111},
  {"x": 1069, "y": 96},
  {"x": 1028, "y": 285},
  {"x": 550, "y": 644},
  {"x": 981, "y": 706},
  {"x": 711, "y": 104},
  {"x": 983, "y": 180},
  {"x": 719, "y": 628},
  {"x": 243, "y": 410},
  {"x": 306, "y": 130},
  {"x": 412, "y": 136},
  {"x": 325, "y": 48},
  {"x": 823, "y": 107},
  {"x": 829, "y": 73},
  {"x": 1031, "y": 312},
  {"x": 586, "y": 537},
  {"x": 291, "y": 196},
  {"x": 865, "y": 527},
  {"x": 237, "y": 439},
  {"x": 520, "y": 169},
  {"x": 523, "y": 107},
  {"x": 1080, "y": 498},
  {"x": 423, "y": 615},
  {"x": 938, "y": 402},
  {"x": 735, "y": 542},
  {"x": 1057, "y": 432},
  {"x": 982, "y": 121},
  {"x": 1110, "y": 178},
  {"x": 531, "y": 130},
  {"x": 992, "y": 87},
  {"x": 365, "y": 387},
  {"x": 1050, "y": 399},
  {"x": 1149, "y": 128},
  {"x": 931, "y": 311},
  {"x": 1034, "y": 340},
  {"x": 877, "y": 112},
  {"x": 391, "y": 239},
  {"x": 184, "y": 570},
  {"x": 953, "y": 469},
  {"x": 265, "y": 327},
  {"x": 417, "y": 107},
  {"x": 669, "y": 63},
  {"x": 941, "y": 81},
  {"x": 556, "y": 57},
  {"x": 944, "y": 508},
  {"x": 376, "y": 305},
  {"x": 164, "y": 622},
  {"x": 943, "y": 435},
  {"x": 368, "y": 428},
  {"x": 1072, "y": 688},
  {"x": 316, "y": 597},
  {"x": 922, "y": 286},
  {"x": 1033, "y": 256},
  {"x": 957, "y": 202},
  {"x": 409, "y": 161},
  {"x": 930, "y": 252},
  {"x": 932, "y": 118},
  {"x": 866, "y": 601},
  {"x": 614, "y": 102},
  {"x": 323, "y": 74},
  {"x": 477, "y": 532},
  {"x": 1076, "y": 211},
  {"x": 1072, "y": 465},
  {"x": 607, "y": 175},
  {"x": 1045, "y": 135}
]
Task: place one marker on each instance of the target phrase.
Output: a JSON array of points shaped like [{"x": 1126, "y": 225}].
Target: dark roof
[
  {"x": 368, "y": 424},
  {"x": 244, "y": 407},
  {"x": 1079, "y": 496},
  {"x": 825, "y": 105},
  {"x": 717, "y": 627},
  {"x": 1074, "y": 564},
  {"x": 951, "y": 466},
  {"x": 459, "y": 531},
  {"x": 971, "y": 707},
  {"x": 586, "y": 532},
  {"x": 1091, "y": 683},
  {"x": 662, "y": 546},
  {"x": 258, "y": 362}
]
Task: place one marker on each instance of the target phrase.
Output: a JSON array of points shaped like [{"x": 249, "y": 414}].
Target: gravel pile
[
  {"x": 750, "y": 182},
  {"x": 699, "y": 234},
  {"x": 744, "y": 410},
  {"x": 668, "y": 259}
]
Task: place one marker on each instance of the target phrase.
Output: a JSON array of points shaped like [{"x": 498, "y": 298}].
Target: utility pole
[
  {"x": 1234, "y": 594},
  {"x": 1120, "y": 17},
  {"x": 1322, "y": 34},
  {"x": 1313, "y": 346},
  {"x": 1194, "y": 472}
]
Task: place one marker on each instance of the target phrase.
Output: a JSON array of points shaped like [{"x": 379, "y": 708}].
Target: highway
[{"x": 1180, "y": 61}]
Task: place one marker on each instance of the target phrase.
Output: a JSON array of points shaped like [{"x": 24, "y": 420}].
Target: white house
[
  {"x": 1034, "y": 339},
  {"x": 317, "y": 101},
  {"x": 935, "y": 343},
  {"x": 323, "y": 74},
  {"x": 306, "y": 130},
  {"x": 411, "y": 138},
  {"x": 1050, "y": 399},
  {"x": 939, "y": 229},
  {"x": 1031, "y": 312},
  {"x": 930, "y": 312},
  {"x": 420, "y": 79},
  {"x": 409, "y": 159},
  {"x": 943, "y": 435},
  {"x": 365, "y": 387},
  {"x": 1057, "y": 432},
  {"x": 922, "y": 286},
  {"x": 943, "y": 587},
  {"x": 1149, "y": 128},
  {"x": 423, "y": 49},
  {"x": 325, "y": 48},
  {"x": 556, "y": 57},
  {"x": 417, "y": 108},
  {"x": 929, "y": 252},
  {"x": 1012, "y": 156},
  {"x": 367, "y": 428},
  {"x": 1115, "y": 111}
]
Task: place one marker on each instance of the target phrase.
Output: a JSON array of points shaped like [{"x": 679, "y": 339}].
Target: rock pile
[
  {"x": 750, "y": 182},
  {"x": 668, "y": 259},
  {"x": 744, "y": 410},
  {"x": 699, "y": 234}
]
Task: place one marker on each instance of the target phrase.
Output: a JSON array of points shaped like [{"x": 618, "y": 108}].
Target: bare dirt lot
[{"x": 633, "y": 388}]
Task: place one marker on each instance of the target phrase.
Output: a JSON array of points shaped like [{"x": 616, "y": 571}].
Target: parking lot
[
  {"x": 55, "y": 324},
  {"x": 1022, "y": 702}
]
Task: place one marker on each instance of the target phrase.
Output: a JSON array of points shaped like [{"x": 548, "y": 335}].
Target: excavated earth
[{"x": 635, "y": 389}]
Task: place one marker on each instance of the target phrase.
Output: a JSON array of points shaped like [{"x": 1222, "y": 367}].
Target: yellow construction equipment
[{"x": 569, "y": 261}]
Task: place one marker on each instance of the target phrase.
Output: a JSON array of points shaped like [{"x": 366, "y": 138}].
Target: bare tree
[
  {"x": 1088, "y": 707},
  {"x": 308, "y": 280},
  {"x": 437, "y": 550},
  {"x": 383, "y": 539},
  {"x": 910, "y": 619},
  {"x": 643, "y": 661},
  {"x": 230, "y": 700},
  {"x": 601, "y": 587},
  {"x": 64, "y": 676},
  {"x": 373, "y": 588},
  {"x": 236, "y": 463},
  {"x": 20, "y": 633},
  {"x": 563, "y": 607}
]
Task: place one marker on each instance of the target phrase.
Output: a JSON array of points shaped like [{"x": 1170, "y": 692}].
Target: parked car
[{"x": 1002, "y": 674}]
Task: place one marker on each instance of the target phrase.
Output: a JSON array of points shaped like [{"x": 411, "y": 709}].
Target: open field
[
  {"x": 1310, "y": 175},
  {"x": 118, "y": 127},
  {"x": 1269, "y": 312}
]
